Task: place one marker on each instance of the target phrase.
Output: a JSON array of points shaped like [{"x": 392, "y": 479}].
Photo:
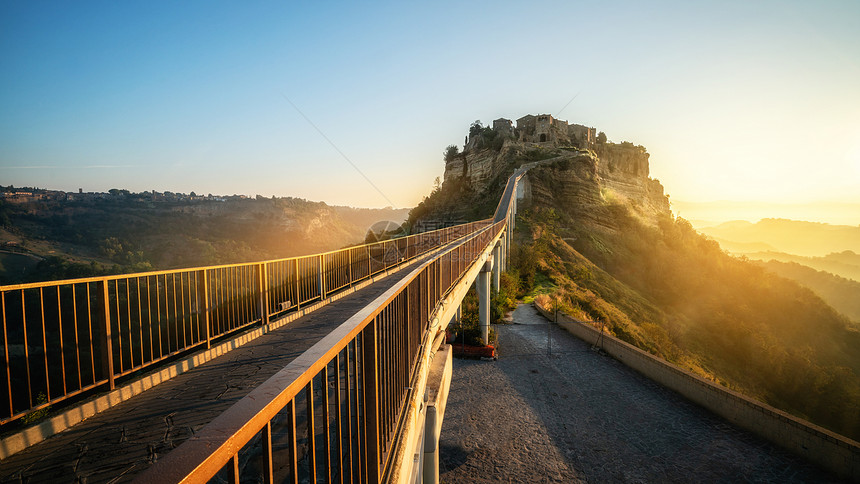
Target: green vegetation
[
  {"x": 674, "y": 293},
  {"x": 37, "y": 415},
  {"x": 505, "y": 299},
  {"x": 455, "y": 201},
  {"x": 841, "y": 293},
  {"x": 468, "y": 330},
  {"x": 487, "y": 138},
  {"x": 845, "y": 264},
  {"x": 451, "y": 153},
  {"x": 539, "y": 154},
  {"x": 123, "y": 232}
]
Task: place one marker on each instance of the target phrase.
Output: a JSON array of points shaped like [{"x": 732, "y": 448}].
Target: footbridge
[{"x": 323, "y": 368}]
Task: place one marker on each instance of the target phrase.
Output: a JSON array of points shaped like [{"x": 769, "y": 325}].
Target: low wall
[{"x": 832, "y": 451}]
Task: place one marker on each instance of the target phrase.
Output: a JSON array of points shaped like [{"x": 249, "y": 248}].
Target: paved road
[
  {"x": 115, "y": 445},
  {"x": 576, "y": 415}
]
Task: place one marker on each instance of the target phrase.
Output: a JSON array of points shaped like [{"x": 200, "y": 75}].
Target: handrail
[
  {"x": 64, "y": 338},
  {"x": 362, "y": 372},
  {"x": 333, "y": 413},
  {"x": 31, "y": 285}
]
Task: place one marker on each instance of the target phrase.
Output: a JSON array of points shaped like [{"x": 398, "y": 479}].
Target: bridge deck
[
  {"x": 578, "y": 416},
  {"x": 118, "y": 443}
]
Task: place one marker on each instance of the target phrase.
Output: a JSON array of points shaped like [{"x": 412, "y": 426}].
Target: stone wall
[
  {"x": 582, "y": 136},
  {"x": 504, "y": 127},
  {"x": 832, "y": 451}
]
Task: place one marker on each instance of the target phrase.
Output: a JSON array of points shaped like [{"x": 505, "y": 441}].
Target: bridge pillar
[
  {"x": 505, "y": 251},
  {"x": 482, "y": 285},
  {"x": 455, "y": 318},
  {"x": 497, "y": 266}
]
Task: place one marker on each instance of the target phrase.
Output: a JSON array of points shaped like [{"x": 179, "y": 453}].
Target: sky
[{"x": 757, "y": 102}]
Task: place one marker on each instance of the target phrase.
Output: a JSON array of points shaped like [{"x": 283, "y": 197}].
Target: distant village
[{"x": 26, "y": 195}]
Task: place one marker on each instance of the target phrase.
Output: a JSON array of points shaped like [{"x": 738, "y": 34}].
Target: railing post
[
  {"x": 349, "y": 264},
  {"x": 322, "y": 277},
  {"x": 107, "y": 346},
  {"x": 298, "y": 285},
  {"x": 371, "y": 401},
  {"x": 263, "y": 293},
  {"x": 203, "y": 301}
]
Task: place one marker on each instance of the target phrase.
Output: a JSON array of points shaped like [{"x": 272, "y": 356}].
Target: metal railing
[
  {"x": 333, "y": 414},
  {"x": 64, "y": 338}
]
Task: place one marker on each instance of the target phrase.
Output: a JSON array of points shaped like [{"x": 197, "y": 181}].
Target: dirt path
[{"x": 565, "y": 413}]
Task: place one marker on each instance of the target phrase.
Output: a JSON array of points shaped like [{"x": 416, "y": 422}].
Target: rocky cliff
[{"x": 582, "y": 182}]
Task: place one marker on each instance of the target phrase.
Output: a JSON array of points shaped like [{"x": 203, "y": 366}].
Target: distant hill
[
  {"x": 705, "y": 214},
  {"x": 790, "y": 236},
  {"x": 844, "y": 264},
  {"x": 842, "y": 294},
  {"x": 744, "y": 247},
  {"x": 55, "y": 238}
]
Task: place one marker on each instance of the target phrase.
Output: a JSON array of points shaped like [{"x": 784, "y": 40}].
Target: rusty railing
[
  {"x": 64, "y": 338},
  {"x": 334, "y": 413}
]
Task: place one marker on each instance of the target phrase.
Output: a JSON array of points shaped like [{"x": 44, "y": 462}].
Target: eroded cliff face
[
  {"x": 481, "y": 167},
  {"x": 581, "y": 183},
  {"x": 624, "y": 170}
]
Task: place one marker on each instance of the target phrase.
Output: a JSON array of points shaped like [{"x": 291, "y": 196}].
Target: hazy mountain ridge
[
  {"x": 121, "y": 233},
  {"x": 843, "y": 264},
  {"x": 790, "y": 236},
  {"x": 841, "y": 293},
  {"x": 707, "y": 214}
]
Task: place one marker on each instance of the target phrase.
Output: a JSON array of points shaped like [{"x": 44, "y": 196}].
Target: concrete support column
[
  {"x": 482, "y": 285},
  {"x": 507, "y": 246},
  {"x": 497, "y": 266},
  {"x": 504, "y": 253},
  {"x": 431, "y": 448}
]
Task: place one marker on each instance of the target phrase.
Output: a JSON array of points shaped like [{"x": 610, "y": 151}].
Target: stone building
[
  {"x": 582, "y": 136},
  {"x": 544, "y": 128},
  {"x": 504, "y": 127}
]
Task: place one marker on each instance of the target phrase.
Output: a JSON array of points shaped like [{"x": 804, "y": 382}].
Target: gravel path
[{"x": 566, "y": 413}]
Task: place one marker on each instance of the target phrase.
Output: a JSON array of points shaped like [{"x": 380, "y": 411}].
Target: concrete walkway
[
  {"x": 115, "y": 445},
  {"x": 561, "y": 412}
]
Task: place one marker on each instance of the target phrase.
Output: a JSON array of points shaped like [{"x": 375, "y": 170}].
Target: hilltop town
[
  {"x": 27, "y": 195},
  {"x": 544, "y": 128}
]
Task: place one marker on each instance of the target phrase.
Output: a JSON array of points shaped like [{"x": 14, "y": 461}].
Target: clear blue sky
[{"x": 735, "y": 100}]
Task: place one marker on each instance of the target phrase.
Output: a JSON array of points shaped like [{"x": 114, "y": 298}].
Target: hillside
[
  {"x": 597, "y": 233},
  {"x": 840, "y": 293},
  {"x": 123, "y": 232}
]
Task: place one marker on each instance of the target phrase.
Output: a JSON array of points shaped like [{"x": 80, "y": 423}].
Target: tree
[
  {"x": 601, "y": 138},
  {"x": 451, "y": 152},
  {"x": 475, "y": 128}
]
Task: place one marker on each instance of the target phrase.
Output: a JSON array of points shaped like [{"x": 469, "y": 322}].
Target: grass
[{"x": 543, "y": 285}]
